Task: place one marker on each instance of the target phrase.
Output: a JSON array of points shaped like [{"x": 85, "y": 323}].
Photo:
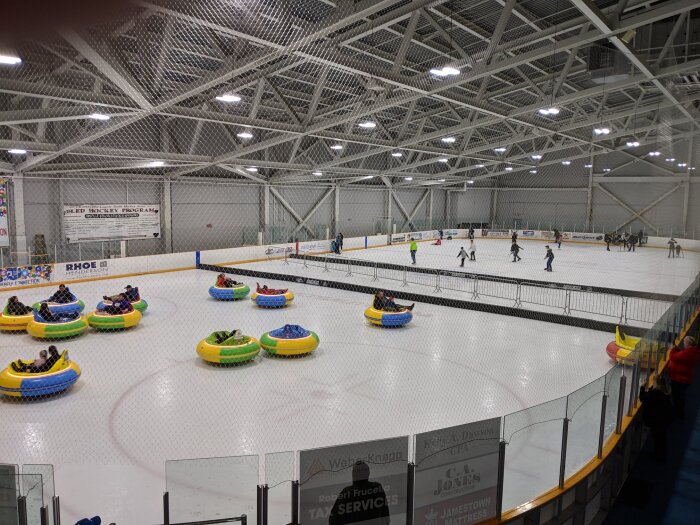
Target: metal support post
[
  {"x": 564, "y": 441},
  {"x": 44, "y": 515},
  {"x": 166, "y": 508},
  {"x": 259, "y": 503},
  {"x": 501, "y": 478},
  {"x": 601, "y": 432},
  {"x": 405, "y": 277},
  {"x": 22, "y": 510},
  {"x": 437, "y": 281},
  {"x": 56, "y": 506},
  {"x": 410, "y": 483},
  {"x": 375, "y": 277},
  {"x": 567, "y": 303},
  {"x": 620, "y": 405},
  {"x": 295, "y": 502}
]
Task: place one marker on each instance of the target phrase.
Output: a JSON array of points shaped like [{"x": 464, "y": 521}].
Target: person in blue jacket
[{"x": 550, "y": 257}]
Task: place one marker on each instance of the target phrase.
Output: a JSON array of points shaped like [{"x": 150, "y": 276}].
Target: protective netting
[{"x": 509, "y": 174}]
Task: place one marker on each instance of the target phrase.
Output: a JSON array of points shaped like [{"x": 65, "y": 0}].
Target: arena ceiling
[{"x": 362, "y": 92}]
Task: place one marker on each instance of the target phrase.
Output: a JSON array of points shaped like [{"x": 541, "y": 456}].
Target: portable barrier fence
[
  {"x": 622, "y": 306},
  {"x": 566, "y": 458}
]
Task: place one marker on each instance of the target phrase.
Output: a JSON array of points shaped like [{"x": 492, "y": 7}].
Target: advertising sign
[
  {"x": 398, "y": 237},
  {"x": 496, "y": 233},
  {"x": 356, "y": 483},
  {"x": 25, "y": 275},
  {"x": 4, "y": 227},
  {"x": 111, "y": 222},
  {"x": 80, "y": 270},
  {"x": 457, "y": 474}
]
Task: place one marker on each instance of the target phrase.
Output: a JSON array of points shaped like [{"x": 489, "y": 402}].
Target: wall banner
[
  {"x": 457, "y": 474},
  {"x": 80, "y": 270},
  {"x": 25, "y": 275},
  {"x": 111, "y": 222},
  {"x": 4, "y": 210}
]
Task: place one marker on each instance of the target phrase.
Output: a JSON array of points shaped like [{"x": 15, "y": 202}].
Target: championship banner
[
  {"x": 111, "y": 222},
  {"x": 356, "y": 483},
  {"x": 4, "y": 228},
  {"x": 25, "y": 275},
  {"x": 457, "y": 474}
]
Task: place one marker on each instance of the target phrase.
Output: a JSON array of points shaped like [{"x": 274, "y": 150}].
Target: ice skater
[
  {"x": 472, "y": 250},
  {"x": 515, "y": 250},
  {"x": 557, "y": 238},
  {"x": 440, "y": 233},
  {"x": 549, "y": 257},
  {"x": 678, "y": 250},
  {"x": 632, "y": 242},
  {"x": 462, "y": 255},
  {"x": 470, "y": 235},
  {"x": 514, "y": 237},
  {"x": 672, "y": 247},
  {"x": 413, "y": 247},
  {"x": 608, "y": 239}
]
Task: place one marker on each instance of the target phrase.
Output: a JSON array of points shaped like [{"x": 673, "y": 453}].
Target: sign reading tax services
[
  {"x": 457, "y": 474},
  {"x": 111, "y": 222},
  {"x": 355, "y": 483}
]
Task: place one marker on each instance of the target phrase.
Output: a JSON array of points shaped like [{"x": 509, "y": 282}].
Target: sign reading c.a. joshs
[{"x": 111, "y": 222}]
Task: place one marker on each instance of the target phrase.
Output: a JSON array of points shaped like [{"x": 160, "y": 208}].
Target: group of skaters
[
  {"x": 628, "y": 241},
  {"x": 515, "y": 249}
]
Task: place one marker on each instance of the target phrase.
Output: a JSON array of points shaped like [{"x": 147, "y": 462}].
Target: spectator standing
[
  {"x": 681, "y": 371},
  {"x": 657, "y": 414}
]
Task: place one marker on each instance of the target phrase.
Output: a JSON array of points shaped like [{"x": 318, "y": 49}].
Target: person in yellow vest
[{"x": 414, "y": 249}]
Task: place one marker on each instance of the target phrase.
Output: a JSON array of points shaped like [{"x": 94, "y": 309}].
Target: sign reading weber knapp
[
  {"x": 457, "y": 474},
  {"x": 111, "y": 222}
]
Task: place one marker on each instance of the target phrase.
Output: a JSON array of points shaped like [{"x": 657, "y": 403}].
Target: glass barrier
[
  {"x": 279, "y": 475},
  {"x": 533, "y": 440},
  {"x": 47, "y": 479},
  {"x": 12, "y": 487},
  {"x": 212, "y": 488},
  {"x": 583, "y": 410},
  {"x": 32, "y": 488},
  {"x": 354, "y": 483}
]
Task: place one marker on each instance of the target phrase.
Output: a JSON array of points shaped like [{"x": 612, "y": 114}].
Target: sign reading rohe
[{"x": 106, "y": 222}]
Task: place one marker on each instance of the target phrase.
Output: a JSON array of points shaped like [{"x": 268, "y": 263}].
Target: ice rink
[
  {"x": 145, "y": 397},
  {"x": 574, "y": 263}
]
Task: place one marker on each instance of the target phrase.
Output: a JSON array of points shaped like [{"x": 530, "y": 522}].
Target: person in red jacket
[{"x": 681, "y": 369}]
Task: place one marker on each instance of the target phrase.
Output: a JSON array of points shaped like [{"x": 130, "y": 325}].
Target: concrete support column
[
  {"x": 589, "y": 193},
  {"x": 448, "y": 208},
  {"x": 17, "y": 210},
  {"x": 264, "y": 213},
  {"x": 430, "y": 209},
  {"x": 388, "y": 212},
  {"x": 166, "y": 216},
  {"x": 336, "y": 210},
  {"x": 494, "y": 207}
]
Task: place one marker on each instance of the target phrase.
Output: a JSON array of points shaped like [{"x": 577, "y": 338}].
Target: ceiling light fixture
[
  {"x": 549, "y": 111},
  {"x": 368, "y": 124},
  {"x": 654, "y": 153},
  {"x": 682, "y": 165},
  {"x": 633, "y": 144},
  {"x": 588, "y": 166},
  {"x": 397, "y": 154},
  {"x": 606, "y": 170},
  {"x": 449, "y": 140},
  {"x": 156, "y": 164},
  {"x": 533, "y": 171},
  {"x": 252, "y": 169},
  {"x": 670, "y": 160},
  {"x": 601, "y": 131},
  {"x": 317, "y": 173},
  {"x": 443, "y": 160},
  {"x": 509, "y": 168},
  {"x": 536, "y": 157},
  {"x": 99, "y": 116},
  {"x": 441, "y": 180},
  {"x": 480, "y": 166},
  {"x": 228, "y": 98},
  {"x": 244, "y": 135},
  {"x": 566, "y": 162},
  {"x": 368, "y": 177},
  {"x": 445, "y": 71},
  {"x": 337, "y": 147},
  {"x": 500, "y": 150},
  {"x": 17, "y": 151},
  {"x": 470, "y": 182},
  {"x": 408, "y": 178}
]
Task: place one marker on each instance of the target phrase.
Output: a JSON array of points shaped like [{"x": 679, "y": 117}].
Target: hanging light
[
  {"x": 533, "y": 171},
  {"x": 368, "y": 177},
  {"x": 337, "y": 147},
  {"x": 654, "y": 153},
  {"x": 670, "y": 160},
  {"x": 368, "y": 124},
  {"x": 99, "y": 116},
  {"x": 480, "y": 166},
  {"x": 441, "y": 180},
  {"x": 633, "y": 144},
  {"x": 445, "y": 71},
  {"x": 397, "y": 154},
  {"x": 16, "y": 151},
  {"x": 470, "y": 182},
  {"x": 317, "y": 173},
  {"x": 500, "y": 150},
  {"x": 252, "y": 169},
  {"x": 443, "y": 160},
  {"x": 537, "y": 157},
  {"x": 9, "y": 55},
  {"x": 566, "y": 162},
  {"x": 244, "y": 135},
  {"x": 228, "y": 98},
  {"x": 449, "y": 140},
  {"x": 601, "y": 131},
  {"x": 408, "y": 178},
  {"x": 156, "y": 164},
  {"x": 588, "y": 166},
  {"x": 509, "y": 168},
  {"x": 548, "y": 111}
]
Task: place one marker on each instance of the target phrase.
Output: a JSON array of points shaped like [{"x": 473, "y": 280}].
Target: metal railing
[{"x": 621, "y": 305}]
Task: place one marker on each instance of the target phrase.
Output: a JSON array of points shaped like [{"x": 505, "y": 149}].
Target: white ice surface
[
  {"x": 647, "y": 269},
  {"x": 145, "y": 397}
]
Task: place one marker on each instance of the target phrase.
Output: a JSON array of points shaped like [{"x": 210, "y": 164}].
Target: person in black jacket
[
  {"x": 657, "y": 413},
  {"x": 550, "y": 257},
  {"x": 362, "y": 502},
  {"x": 62, "y": 296},
  {"x": 515, "y": 250},
  {"x": 15, "y": 307},
  {"x": 387, "y": 304}
]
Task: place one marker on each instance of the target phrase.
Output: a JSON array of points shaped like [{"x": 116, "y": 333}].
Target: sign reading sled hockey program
[
  {"x": 361, "y": 483},
  {"x": 111, "y": 222},
  {"x": 457, "y": 474}
]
